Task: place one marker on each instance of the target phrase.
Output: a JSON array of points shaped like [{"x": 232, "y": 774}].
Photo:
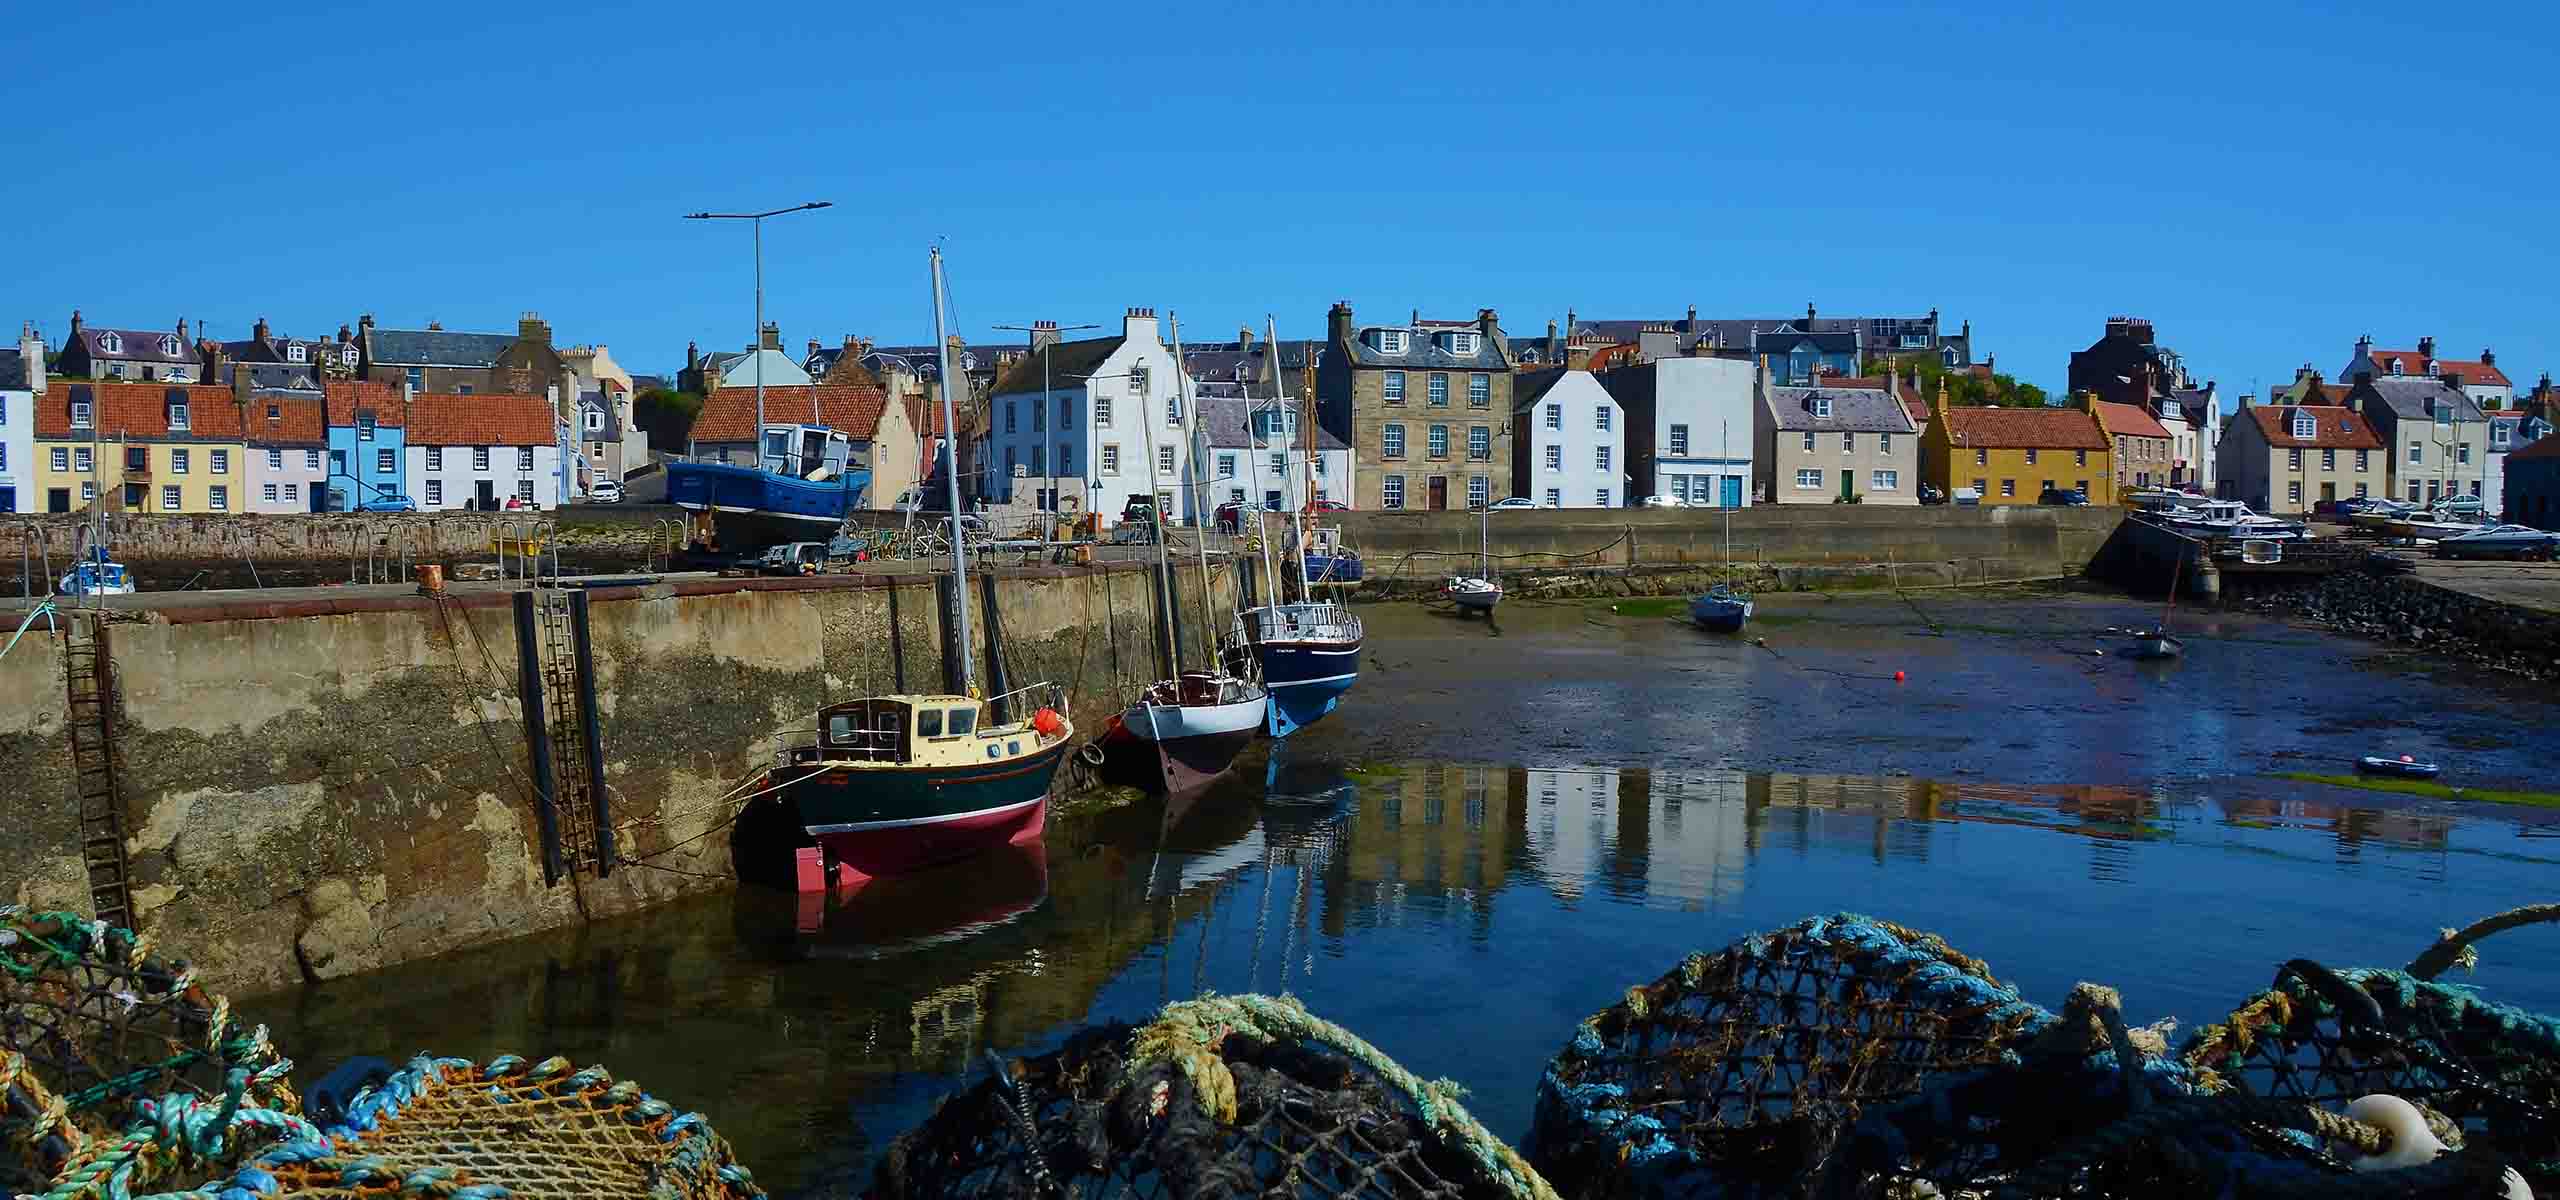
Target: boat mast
[
  {"x": 1303, "y": 524},
  {"x": 1727, "y": 455},
  {"x": 1164, "y": 557},
  {"x": 1191, "y": 442},
  {"x": 959, "y": 536},
  {"x": 1253, "y": 472}
]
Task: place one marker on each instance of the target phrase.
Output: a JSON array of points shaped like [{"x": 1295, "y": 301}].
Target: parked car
[
  {"x": 388, "y": 504},
  {"x": 1666, "y": 502},
  {"x": 2460, "y": 506},
  {"x": 1514, "y": 503},
  {"x": 1323, "y": 505},
  {"x": 1231, "y": 514},
  {"x": 2065, "y": 497},
  {"x": 1966, "y": 497},
  {"x": 605, "y": 491}
]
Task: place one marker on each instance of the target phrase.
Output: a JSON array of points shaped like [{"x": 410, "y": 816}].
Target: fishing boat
[
  {"x": 1324, "y": 559},
  {"x": 2403, "y": 767},
  {"x": 95, "y": 574},
  {"x": 896, "y": 783},
  {"x": 804, "y": 483},
  {"x": 2500, "y": 541},
  {"x": 1481, "y": 591},
  {"x": 1722, "y": 609},
  {"x": 2230, "y": 519},
  {"x": 1308, "y": 650},
  {"x": 1182, "y": 733}
]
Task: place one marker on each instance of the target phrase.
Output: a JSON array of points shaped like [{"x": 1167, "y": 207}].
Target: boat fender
[
  {"x": 1047, "y": 722},
  {"x": 1091, "y": 754}
]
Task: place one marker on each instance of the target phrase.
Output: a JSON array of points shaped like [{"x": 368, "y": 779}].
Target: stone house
[
  {"x": 2143, "y": 448},
  {"x": 1258, "y": 452},
  {"x": 1690, "y": 428},
  {"x": 1867, "y": 338},
  {"x": 2011, "y": 455},
  {"x": 316, "y": 358},
  {"x": 1825, "y": 445},
  {"x": 2438, "y": 438},
  {"x": 2289, "y": 457},
  {"x": 143, "y": 355},
  {"x": 2128, "y": 366},
  {"x": 437, "y": 360},
  {"x": 1570, "y": 445},
  {"x": 594, "y": 374},
  {"x": 2509, "y": 431},
  {"x": 1425, "y": 407},
  {"x": 2479, "y": 379}
]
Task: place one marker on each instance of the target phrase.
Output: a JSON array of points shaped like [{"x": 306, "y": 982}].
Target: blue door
[
  {"x": 8, "y": 499},
  {"x": 1732, "y": 497}
]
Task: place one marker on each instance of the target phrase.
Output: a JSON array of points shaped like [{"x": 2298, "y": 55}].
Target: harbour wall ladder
[
  {"x": 556, "y": 683},
  {"x": 89, "y": 680}
]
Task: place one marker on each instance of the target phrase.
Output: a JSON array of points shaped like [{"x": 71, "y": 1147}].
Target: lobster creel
[{"x": 1225, "y": 1096}]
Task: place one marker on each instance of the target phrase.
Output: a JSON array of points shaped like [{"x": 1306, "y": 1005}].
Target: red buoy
[
  {"x": 1897, "y": 677},
  {"x": 1048, "y": 722}
]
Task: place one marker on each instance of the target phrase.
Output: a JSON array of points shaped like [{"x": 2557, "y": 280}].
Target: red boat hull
[{"x": 857, "y": 856}]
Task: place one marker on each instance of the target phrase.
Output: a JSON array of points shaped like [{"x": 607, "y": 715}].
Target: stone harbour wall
[
  {"x": 310, "y": 796},
  {"x": 2448, "y": 625}
]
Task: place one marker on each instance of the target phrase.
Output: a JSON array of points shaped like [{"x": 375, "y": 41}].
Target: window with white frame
[
  {"x": 217, "y": 498},
  {"x": 178, "y": 415},
  {"x": 435, "y": 492},
  {"x": 310, "y": 460},
  {"x": 1164, "y": 460},
  {"x": 1808, "y": 440},
  {"x": 2305, "y": 426},
  {"x": 1173, "y": 407},
  {"x": 178, "y": 461},
  {"x": 1391, "y": 440},
  {"x": 435, "y": 458},
  {"x": 2364, "y": 460},
  {"x": 1555, "y": 457},
  {"x": 524, "y": 459},
  {"x": 275, "y": 460},
  {"x": 1884, "y": 481},
  {"x": 2462, "y": 453},
  {"x": 2293, "y": 460},
  {"x": 2360, "y": 491},
  {"x": 80, "y": 410},
  {"x": 595, "y": 420},
  {"x": 80, "y": 460},
  {"x": 267, "y": 493},
  {"x": 1462, "y": 343},
  {"x": 1319, "y": 465},
  {"x": 386, "y": 461},
  {"x": 1600, "y": 458},
  {"x": 221, "y": 461},
  {"x": 1279, "y": 464},
  {"x": 1822, "y": 406},
  {"x": 1848, "y": 443},
  {"x": 1555, "y": 497},
  {"x": 2417, "y": 452},
  {"x": 1600, "y": 417},
  {"x": 1679, "y": 440},
  {"x": 2293, "y": 491},
  {"x": 524, "y": 490},
  {"x": 2328, "y": 460},
  {"x": 1479, "y": 391},
  {"x": 110, "y": 343},
  {"x": 1439, "y": 441},
  {"x": 1102, "y": 410},
  {"x": 1390, "y": 341},
  {"x": 1479, "y": 491},
  {"x": 1555, "y": 416},
  {"x": 1479, "y": 443},
  {"x": 1110, "y": 459},
  {"x": 1391, "y": 491},
  {"x": 1438, "y": 390},
  {"x": 89, "y": 491},
  {"x": 479, "y": 458},
  {"x": 1809, "y": 478},
  {"x": 1884, "y": 443},
  {"x": 61, "y": 458},
  {"x": 2008, "y": 487},
  {"x": 1391, "y": 387},
  {"x": 1226, "y": 466},
  {"x": 2031, "y": 456},
  {"x": 169, "y": 498},
  {"x": 364, "y": 427},
  {"x": 1600, "y": 496}
]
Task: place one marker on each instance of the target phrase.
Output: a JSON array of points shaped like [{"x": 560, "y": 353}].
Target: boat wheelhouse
[
  {"x": 895, "y": 783},
  {"x": 805, "y": 482}
]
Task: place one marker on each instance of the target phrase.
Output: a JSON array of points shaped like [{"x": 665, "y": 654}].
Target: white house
[
  {"x": 480, "y": 451},
  {"x": 1101, "y": 418},
  {"x": 1569, "y": 448},
  {"x": 288, "y": 447},
  {"x": 1689, "y": 428},
  {"x": 21, "y": 381},
  {"x": 1258, "y": 452}
]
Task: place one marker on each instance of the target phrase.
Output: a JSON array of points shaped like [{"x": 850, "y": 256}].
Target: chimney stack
[
  {"x": 1044, "y": 333},
  {"x": 813, "y": 349},
  {"x": 257, "y": 332},
  {"x": 771, "y": 338},
  {"x": 2427, "y": 347},
  {"x": 1808, "y": 316},
  {"x": 31, "y": 356},
  {"x": 76, "y": 326},
  {"x": 1337, "y": 323},
  {"x": 1138, "y": 326},
  {"x": 2488, "y": 357},
  {"x": 1488, "y": 323},
  {"x": 692, "y": 356},
  {"x": 1244, "y": 337}
]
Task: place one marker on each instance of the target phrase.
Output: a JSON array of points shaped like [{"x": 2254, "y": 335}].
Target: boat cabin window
[
  {"x": 929, "y": 723},
  {"x": 963, "y": 720},
  {"x": 869, "y": 730}
]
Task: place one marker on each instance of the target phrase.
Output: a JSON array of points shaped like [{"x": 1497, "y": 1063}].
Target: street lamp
[
  {"x": 1048, "y": 421},
  {"x": 758, "y": 342}
]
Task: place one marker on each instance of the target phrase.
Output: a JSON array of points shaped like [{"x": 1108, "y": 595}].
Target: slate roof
[
  {"x": 2410, "y": 396},
  {"x": 2472, "y": 371},
  {"x": 140, "y": 410},
  {"x": 2337, "y": 428},
  {"x": 277, "y": 350},
  {"x": 1423, "y": 353},
  {"x": 438, "y": 348},
  {"x": 1828, "y": 342},
  {"x": 140, "y": 345},
  {"x": 2023, "y": 429},
  {"x": 595, "y": 401},
  {"x": 486, "y": 419},
  {"x": 1908, "y": 392},
  {"x": 273, "y": 377},
  {"x": 1065, "y": 360},
  {"x": 1232, "y": 363},
  {"x": 348, "y": 396},
  {"x": 2132, "y": 420},
  {"x": 13, "y": 370},
  {"x": 1532, "y": 385},
  {"x": 1225, "y": 420},
  {"x": 1735, "y": 333},
  {"x": 729, "y": 415},
  {"x": 298, "y": 421},
  {"x": 1853, "y": 410},
  {"x": 2543, "y": 447}
]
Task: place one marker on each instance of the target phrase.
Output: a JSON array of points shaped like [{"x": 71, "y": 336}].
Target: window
[
  {"x": 1981, "y": 487},
  {"x": 364, "y": 427},
  {"x": 2413, "y": 492},
  {"x": 2031, "y": 458},
  {"x": 1679, "y": 440},
  {"x": 1391, "y": 491},
  {"x": 2048, "y": 486},
  {"x": 89, "y": 492},
  {"x": 275, "y": 460},
  {"x": 1480, "y": 443},
  {"x": 1110, "y": 460},
  {"x": 2304, "y": 427},
  {"x": 1009, "y": 416},
  {"x": 1391, "y": 387},
  {"x": 1462, "y": 343},
  {"x": 310, "y": 460},
  {"x": 169, "y": 498},
  {"x": 80, "y": 414},
  {"x": 178, "y": 461},
  {"x": 267, "y": 493},
  {"x": 1821, "y": 406},
  {"x": 595, "y": 420},
  {"x": 2328, "y": 460},
  {"x": 2293, "y": 460},
  {"x": 2081, "y": 486},
  {"x": 1391, "y": 341},
  {"x": 1391, "y": 440},
  {"x": 1600, "y": 417},
  {"x": 337, "y": 462},
  {"x": 1600, "y": 458},
  {"x": 479, "y": 458},
  {"x": 1039, "y": 460},
  {"x": 1279, "y": 464},
  {"x": 221, "y": 461},
  {"x": 1164, "y": 459},
  {"x": 2462, "y": 453},
  {"x": 178, "y": 415},
  {"x": 1884, "y": 443},
  {"x": 1101, "y": 410},
  {"x": 2293, "y": 492},
  {"x": 2417, "y": 452},
  {"x": 435, "y": 458},
  {"x": 1848, "y": 443},
  {"x": 1039, "y": 417},
  {"x": 1479, "y": 391},
  {"x": 1066, "y": 460},
  {"x": 1173, "y": 408},
  {"x": 137, "y": 460},
  {"x": 1982, "y": 458},
  {"x": 2363, "y": 459},
  {"x": 1235, "y": 495},
  {"x": 1555, "y": 457},
  {"x": 297, "y": 353},
  {"x": 1479, "y": 491},
  {"x": 2079, "y": 458},
  {"x": 1808, "y": 440},
  {"x": 110, "y": 343},
  {"x": 1226, "y": 466},
  {"x": 1439, "y": 390},
  {"x": 80, "y": 460},
  {"x": 2475, "y": 487},
  {"x": 524, "y": 490},
  {"x": 1319, "y": 465},
  {"x": 2360, "y": 491},
  {"x": 1067, "y": 411},
  {"x": 1809, "y": 478},
  {"x": 1555, "y": 497},
  {"x": 2008, "y": 487},
  {"x": 1439, "y": 436},
  {"x": 1885, "y": 481},
  {"x": 218, "y": 498},
  {"x": 386, "y": 461},
  {"x": 61, "y": 459}
]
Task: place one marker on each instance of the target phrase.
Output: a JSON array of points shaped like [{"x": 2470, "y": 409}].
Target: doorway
[
  {"x": 486, "y": 493},
  {"x": 1732, "y": 497},
  {"x": 1439, "y": 492}
]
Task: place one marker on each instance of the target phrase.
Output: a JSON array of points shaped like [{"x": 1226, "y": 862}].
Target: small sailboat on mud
[
  {"x": 1182, "y": 733},
  {"x": 1481, "y": 591},
  {"x": 2157, "y": 643},
  {"x": 1722, "y": 609}
]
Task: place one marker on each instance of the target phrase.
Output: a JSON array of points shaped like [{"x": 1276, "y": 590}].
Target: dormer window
[
  {"x": 2305, "y": 427},
  {"x": 364, "y": 427},
  {"x": 110, "y": 343},
  {"x": 1390, "y": 341},
  {"x": 347, "y": 356},
  {"x": 297, "y": 353},
  {"x": 81, "y": 406},
  {"x": 2431, "y": 368},
  {"x": 177, "y": 402},
  {"x": 275, "y": 412},
  {"x": 2394, "y": 364},
  {"x": 169, "y": 345},
  {"x": 1461, "y": 343},
  {"x": 1821, "y": 406},
  {"x": 595, "y": 420}
]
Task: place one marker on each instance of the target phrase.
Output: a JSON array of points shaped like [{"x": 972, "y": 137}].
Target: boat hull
[
  {"x": 891, "y": 820},
  {"x": 1334, "y": 568},
  {"x": 2157, "y": 645},
  {"x": 1720, "y": 614},
  {"x": 753, "y": 508},
  {"x": 1188, "y": 750},
  {"x": 1306, "y": 680}
]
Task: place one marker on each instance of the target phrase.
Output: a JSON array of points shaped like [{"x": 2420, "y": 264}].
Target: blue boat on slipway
[{"x": 801, "y": 490}]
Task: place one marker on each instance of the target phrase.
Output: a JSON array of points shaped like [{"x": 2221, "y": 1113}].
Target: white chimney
[{"x": 1140, "y": 326}]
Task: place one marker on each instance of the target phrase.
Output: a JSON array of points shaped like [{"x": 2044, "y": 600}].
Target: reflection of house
[
  {"x": 1436, "y": 825},
  {"x": 1675, "y": 839},
  {"x": 1825, "y": 445},
  {"x": 2288, "y": 458},
  {"x": 134, "y": 354},
  {"x": 1689, "y": 429}
]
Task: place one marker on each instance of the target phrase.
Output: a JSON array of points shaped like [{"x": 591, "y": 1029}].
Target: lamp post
[
  {"x": 1048, "y": 421},
  {"x": 758, "y": 219}
]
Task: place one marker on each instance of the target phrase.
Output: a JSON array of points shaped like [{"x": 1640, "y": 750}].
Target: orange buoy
[
  {"x": 1048, "y": 722},
  {"x": 1897, "y": 677}
]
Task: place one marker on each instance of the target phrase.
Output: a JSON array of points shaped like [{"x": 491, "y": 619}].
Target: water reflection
[{"x": 1462, "y": 914}]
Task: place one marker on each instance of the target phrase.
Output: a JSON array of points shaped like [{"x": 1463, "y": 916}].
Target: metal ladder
[
  {"x": 90, "y": 681},
  {"x": 574, "y": 797}
]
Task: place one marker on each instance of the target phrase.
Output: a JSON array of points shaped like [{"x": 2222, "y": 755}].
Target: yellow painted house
[
  {"x": 2012, "y": 455},
  {"x": 142, "y": 447}
]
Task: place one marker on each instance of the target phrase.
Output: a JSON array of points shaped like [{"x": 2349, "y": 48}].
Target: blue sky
[{"x": 2264, "y": 181}]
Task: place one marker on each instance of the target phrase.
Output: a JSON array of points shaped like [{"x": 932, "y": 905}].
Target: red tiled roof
[
  {"x": 729, "y": 415},
  {"x": 140, "y": 410},
  {"x": 1619, "y": 355},
  {"x": 2023, "y": 429},
  {"x": 2337, "y": 428},
  {"x": 2131, "y": 420},
  {"x": 348, "y": 395},
  {"x": 299, "y": 421},
  {"x": 920, "y": 410},
  {"x": 2413, "y": 363},
  {"x": 447, "y": 419}
]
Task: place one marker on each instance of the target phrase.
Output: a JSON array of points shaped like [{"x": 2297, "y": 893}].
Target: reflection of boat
[
  {"x": 926, "y": 909},
  {"x": 96, "y": 575},
  {"x": 802, "y": 486},
  {"x": 2404, "y": 767}
]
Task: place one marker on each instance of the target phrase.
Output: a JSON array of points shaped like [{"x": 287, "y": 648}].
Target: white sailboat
[{"x": 1481, "y": 591}]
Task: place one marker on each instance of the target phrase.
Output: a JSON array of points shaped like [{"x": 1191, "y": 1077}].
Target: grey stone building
[{"x": 1425, "y": 407}]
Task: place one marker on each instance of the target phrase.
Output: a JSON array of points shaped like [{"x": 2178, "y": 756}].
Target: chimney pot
[{"x": 2427, "y": 347}]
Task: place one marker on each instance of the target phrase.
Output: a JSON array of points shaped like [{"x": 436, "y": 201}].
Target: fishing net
[
  {"x": 1735, "y": 1073},
  {"x": 446, "y": 1127},
  {"x": 99, "y": 1038},
  {"x": 1230, "y": 1095}
]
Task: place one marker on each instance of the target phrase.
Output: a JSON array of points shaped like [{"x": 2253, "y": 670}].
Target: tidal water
[{"x": 1508, "y": 824}]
